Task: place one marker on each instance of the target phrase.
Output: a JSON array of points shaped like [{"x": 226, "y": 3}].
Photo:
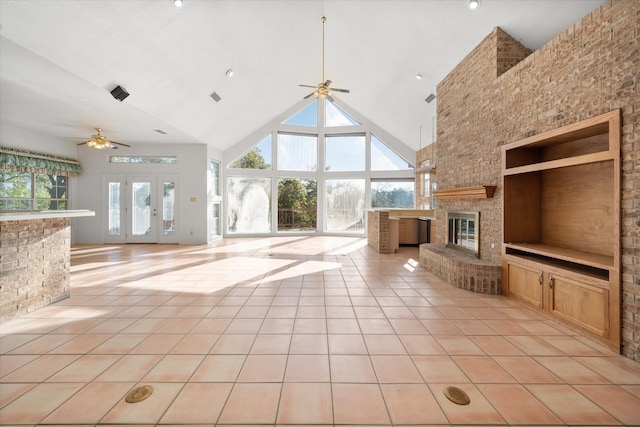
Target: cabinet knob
[
  {"x": 540, "y": 278},
  {"x": 550, "y": 281}
]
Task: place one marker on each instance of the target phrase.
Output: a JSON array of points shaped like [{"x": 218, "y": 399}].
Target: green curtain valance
[{"x": 30, "y": 161}]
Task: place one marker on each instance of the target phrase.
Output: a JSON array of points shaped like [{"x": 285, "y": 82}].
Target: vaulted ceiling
[{"x": 60, "y": 59}]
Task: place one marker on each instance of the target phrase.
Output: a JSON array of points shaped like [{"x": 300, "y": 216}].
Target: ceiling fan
[
  {"x": 99, "y": 141},
  {"x": 323, "y": 89}
]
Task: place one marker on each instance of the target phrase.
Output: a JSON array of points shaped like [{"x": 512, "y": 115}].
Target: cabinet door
[
  {"x": 580, "y": 303},
  {"x": 525, "y": 282},
  {"x": 408, "y": 231}
]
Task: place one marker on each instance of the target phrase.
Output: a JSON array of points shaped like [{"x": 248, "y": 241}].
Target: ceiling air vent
[{"x": 215, "y": 96}]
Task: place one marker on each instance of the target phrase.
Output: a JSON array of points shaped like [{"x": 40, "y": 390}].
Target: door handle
[
  {"x": 540, "y": 278},
  {"x": 550, "y": 281}
]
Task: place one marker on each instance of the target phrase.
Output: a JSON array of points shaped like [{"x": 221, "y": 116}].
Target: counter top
[
  {"x": 25, "y": 216},
  {"x": 412, "y": 217}
]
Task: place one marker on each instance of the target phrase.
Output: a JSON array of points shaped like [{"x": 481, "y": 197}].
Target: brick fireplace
[
  {"x": 458, "y": 261},
  {"x": 463, "y": 232}
]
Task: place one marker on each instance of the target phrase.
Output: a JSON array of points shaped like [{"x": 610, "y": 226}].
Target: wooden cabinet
[
  {"x": 561, "y": 207},
  {"x": 409, "y": 231}
]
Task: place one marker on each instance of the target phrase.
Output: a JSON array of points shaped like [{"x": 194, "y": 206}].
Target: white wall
[
  {"x": 86, "y": 192},
  {"x": 22, "y": 139},
  {"x": 191, "y": 168}
]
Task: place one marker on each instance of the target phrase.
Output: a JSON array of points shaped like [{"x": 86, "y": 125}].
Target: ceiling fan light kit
[
  {"x": 100, "y": 142},
  {"x": 322, "y": 89}
]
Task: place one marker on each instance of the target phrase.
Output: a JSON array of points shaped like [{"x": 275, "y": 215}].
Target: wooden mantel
[{"x": 475, "y": 192}]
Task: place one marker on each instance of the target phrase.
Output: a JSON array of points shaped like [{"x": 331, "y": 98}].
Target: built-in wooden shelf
[
  {"x": 561, "y": 224},
  {"x": 475, "y": 192},
  {"x": 571, "y": 255}
]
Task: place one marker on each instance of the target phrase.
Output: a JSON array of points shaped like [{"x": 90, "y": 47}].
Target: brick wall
[
  {"x": 588, "y": 69},
  {"x": 378, "y": 231},
  {"x": 34, "y": 264}
]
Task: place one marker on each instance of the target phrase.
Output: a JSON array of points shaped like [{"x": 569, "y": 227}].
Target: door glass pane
[
  {"x": 114, "y": 209},
  {"x": 345, "y": 153},
  {"x": 297, "y": 152},
  {"x": 215, "y": 220},
  {"x": 345, "y": 205},
  {"x": 392, "y": 194},
  {"x": 168, "y": 212},
  {"x": 141, "y": 202},
  {"x": 249, "y": 205},
  {"x": 297, "y": 204},
  {"x": 215, "y": 179}
]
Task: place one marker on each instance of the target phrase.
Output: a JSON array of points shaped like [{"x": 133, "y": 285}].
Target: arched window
[{"x": 316, "y": 168}]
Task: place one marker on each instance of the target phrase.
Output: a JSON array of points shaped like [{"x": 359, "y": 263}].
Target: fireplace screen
[{"x": 464, "y": 231}]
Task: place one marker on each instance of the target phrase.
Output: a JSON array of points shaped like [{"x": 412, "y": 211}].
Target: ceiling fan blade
[
  {"x": 340, "y": 90},
  {"x": 329, "y": 97},
  {"x": 307, "y": 86},
  {"x": 82, "y": 143},
  {"x": 310, "y": 95},
  {"x": 120, "y": 143},
  {"x": 327, "y": 83}
]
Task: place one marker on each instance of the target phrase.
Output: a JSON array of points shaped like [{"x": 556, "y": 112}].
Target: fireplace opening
[{"x": 463, "y": 231}]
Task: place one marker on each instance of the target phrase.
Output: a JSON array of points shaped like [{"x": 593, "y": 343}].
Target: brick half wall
[
  {"x": 34, "y": 264},
  {"x": 461, "y": 271}
]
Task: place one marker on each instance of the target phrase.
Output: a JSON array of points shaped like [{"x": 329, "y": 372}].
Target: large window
[
  {"x": 345, "y": 153},
  {"x": 297, "y": 204},
  {"x": 249, "y": 205},
  {"x": 297, "y": 152},
  {"x": 392, "y": 194},
  {"x": 316, "y": 169},
  {"x": 345, "y": 205},
  {"x": 32, "y": 191},
  {"x": 258, "y": 157},
  {"x": 215, "y": 200}
]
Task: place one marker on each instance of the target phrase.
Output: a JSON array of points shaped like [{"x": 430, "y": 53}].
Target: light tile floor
[{"x": 297, "y": 331}]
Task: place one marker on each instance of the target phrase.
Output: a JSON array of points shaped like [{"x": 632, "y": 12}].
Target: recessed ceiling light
[
  {"x": 419, "y": 76},
  {"x": 474, "y": 4},
  {"x": 177, "y": 3},
  {"x": 229, "y": 73}
]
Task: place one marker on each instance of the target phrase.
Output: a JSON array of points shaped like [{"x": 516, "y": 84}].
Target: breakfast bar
[{"x": 35, "y": 259}]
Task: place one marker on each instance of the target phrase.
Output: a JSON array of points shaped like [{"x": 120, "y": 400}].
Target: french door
[{"x": 141, "y": 208}]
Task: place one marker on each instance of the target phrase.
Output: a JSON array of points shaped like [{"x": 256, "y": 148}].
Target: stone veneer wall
[
  {"x": 590, "y": 68},
  {"x": 378, "y": 231},
  {"x": 34, "y": 264}
]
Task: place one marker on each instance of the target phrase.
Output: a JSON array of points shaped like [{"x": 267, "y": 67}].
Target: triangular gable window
[
  {"x": 259, "y": 157},
  {"x": 308, "y": 116},
  {"x": 384, "y": 158},
  {"x": 335, "y": 116}
]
